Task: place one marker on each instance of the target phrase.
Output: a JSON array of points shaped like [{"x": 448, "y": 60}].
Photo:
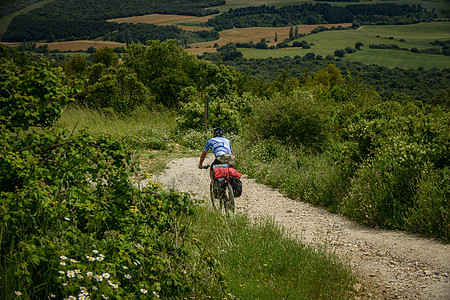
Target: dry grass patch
[
  {"x": 82, "y": 45},
  {"x": 159, "y": 19},
  {"x": 255, "y": 34}
]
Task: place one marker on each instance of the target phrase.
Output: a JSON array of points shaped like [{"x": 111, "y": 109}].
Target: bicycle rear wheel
[
  {"x": 229, "y": 198},
  {"x": 214, "y": 201}
]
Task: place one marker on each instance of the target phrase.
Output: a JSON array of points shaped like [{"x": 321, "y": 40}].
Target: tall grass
[
  {"x": 142, "y": 128},
  {"x": 314, "y": 178},
  {"x": 262, "y": 260}
]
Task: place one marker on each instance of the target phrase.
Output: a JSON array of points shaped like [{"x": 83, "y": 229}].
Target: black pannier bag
[{"x": 236, "y": 184}]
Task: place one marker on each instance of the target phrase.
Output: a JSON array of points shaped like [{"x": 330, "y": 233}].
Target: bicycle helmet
[{"x": 218, "y": 131}]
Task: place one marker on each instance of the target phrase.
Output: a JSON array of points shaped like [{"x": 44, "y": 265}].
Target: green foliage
[
  {"x": 226, "y": 112},
  {"x": 430, "y": 214},
  {"x": 375, "y": 161},
  {"x": 174, "y": 76},
  {"x": 116, "y": 88},
  {"x": 398, "y": 147},
  {"x": 319, "y": 13},
  {"x": 297, "y": 119},
  {"x": 72, "y": 220},
  {"x": 30, "y": 96},
  {"x": 106, "y": 56}
]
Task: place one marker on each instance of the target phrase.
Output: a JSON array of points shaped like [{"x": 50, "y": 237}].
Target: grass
[
  {"x": 415, "y": 36},
  {"x": 160, "y": 122},
  {"x": 147, "y": 129},
  {"x": 262, "y": 260},
  {"x": 401, "y": 59}
]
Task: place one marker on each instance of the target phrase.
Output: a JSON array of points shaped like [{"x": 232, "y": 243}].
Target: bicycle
[{"x": 221, "y": 192}]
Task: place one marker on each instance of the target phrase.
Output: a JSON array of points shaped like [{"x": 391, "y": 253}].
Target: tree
[
  {"x": 106, "y": 56},
  {"x": 339, "y": 53},
  {"x": 77, "y": 64},
  {"x": 296, "y": 30},
  {"x": 358, "y": 45},
  {"x": 291, "y": 33},
  {"x": 276, "y": 37}
]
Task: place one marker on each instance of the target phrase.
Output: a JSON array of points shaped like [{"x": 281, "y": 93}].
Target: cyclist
[{"x": 221, "y": 147}]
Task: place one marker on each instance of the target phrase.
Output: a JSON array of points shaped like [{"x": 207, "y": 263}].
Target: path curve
[{"x": 391, "y": 264}]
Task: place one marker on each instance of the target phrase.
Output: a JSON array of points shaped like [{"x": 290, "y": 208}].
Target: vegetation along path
[{"x": 391, "y": 264}]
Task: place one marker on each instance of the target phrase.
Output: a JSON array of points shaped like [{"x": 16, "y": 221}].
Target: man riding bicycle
[{"x": 221, "y": 147}]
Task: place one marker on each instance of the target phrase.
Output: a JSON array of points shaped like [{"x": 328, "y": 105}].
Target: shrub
[
  {"x": 296, "y": 120},
  {"x": 430, "y": 215}
]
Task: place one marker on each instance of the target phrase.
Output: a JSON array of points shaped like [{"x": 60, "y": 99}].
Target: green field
[{"x": 415, "y": 36}]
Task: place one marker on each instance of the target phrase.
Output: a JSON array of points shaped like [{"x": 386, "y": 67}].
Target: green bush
[
  {"x": 297, "y": 120},
  {"x": 72, "y": 221},
  {"x": 223, "y": 112},
  {"x": 430, "y": 215}
]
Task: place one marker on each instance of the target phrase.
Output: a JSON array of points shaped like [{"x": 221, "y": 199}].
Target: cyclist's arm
[{"x": 202, "y": 159}]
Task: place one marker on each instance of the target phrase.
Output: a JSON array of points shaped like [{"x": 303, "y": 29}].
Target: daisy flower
[
  {"x": 80, "y": 276},
  {"x": 18, "y": 293},
  {"x": 62, "y": 272},
  {"x": 105, "y": 297},
  {"x": 62, "y": 263},
  {"x": 127, "y": 276},
  {"x": 90, "y": 258},
  {"x": 98, "y": 277},
  {"x": 100, "y": 258},
  {"x": 52, "y": 296},
  {"x": 63, "y": 257},
  {"x": 105, "y": 275},
  {"x": 65, "y": 284},
  {"x": 72, "y": 298},
  {"x": 143, "y": 291},
  {"x": 89, "y": 274},
  {"x": 70, "y": 274},
  {"x": 95, "y": 288},
  {"x": 95, "y": 251},
  {"x": 125, "y": 267}
]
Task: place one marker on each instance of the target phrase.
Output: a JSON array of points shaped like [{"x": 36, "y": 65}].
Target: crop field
[
  {"x": 82, "y": 45},
  {"x": 255, "y": 34},
  {"x": 415, "y": 36},
  {"x": 184, "y": 22}
]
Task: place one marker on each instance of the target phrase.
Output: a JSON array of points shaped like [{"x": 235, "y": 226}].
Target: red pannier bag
[{"x": 226, "y": 172}]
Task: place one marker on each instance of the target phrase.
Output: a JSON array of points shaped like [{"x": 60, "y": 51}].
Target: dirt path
[{"x": 391, "y": 265}]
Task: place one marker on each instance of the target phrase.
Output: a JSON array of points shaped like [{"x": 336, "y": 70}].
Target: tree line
[
  {"x": 9, "y": 6},
  {"x": 428, "y": 86},
  {"x": 320, "y": 13},
  {"x": 69, "y": 20}
]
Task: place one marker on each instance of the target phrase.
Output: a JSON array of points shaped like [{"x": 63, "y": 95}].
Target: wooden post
[{"x": 206, "y": 112}]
